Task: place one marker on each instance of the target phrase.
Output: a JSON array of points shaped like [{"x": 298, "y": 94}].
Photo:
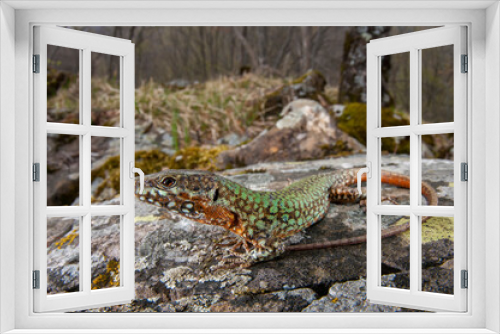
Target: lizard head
[{"x": 187, "y": 192}]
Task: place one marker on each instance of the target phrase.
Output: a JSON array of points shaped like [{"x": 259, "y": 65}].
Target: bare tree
[
  {"x": 248, "y": 48},
  {"x": 305, "y": 48}
]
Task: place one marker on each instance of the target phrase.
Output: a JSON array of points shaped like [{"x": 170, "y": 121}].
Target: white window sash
[
  {"x": 412, "y": 43},
  {"x": 86, "y": 43}
]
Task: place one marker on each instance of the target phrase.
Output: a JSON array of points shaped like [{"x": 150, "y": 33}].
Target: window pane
[
  {"x": 105, "y": 89},
  {"x": 437, "y": 254},
  {"x": 63, "y": 84},
  {"x": 437, "y": 84},
  {"x": 395, "y": 165},
  {"x": 395, "y": 89},
  {"x": 63, "y": 170},
  {"x": 438, "y": 169},
  {"x": 106, "y": 163},
  {"x": 105, "y": 251},
  {"x": 63, "y": 255},
  {"x": 395, "y": 252}
]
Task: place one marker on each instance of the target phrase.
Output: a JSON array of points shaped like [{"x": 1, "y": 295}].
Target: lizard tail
[
  {"x": 388, "y": 178},
  {"x": 343, "y": 193},
  {"x": 389, "y": 232},
  {"x": 403, "y": 181}
]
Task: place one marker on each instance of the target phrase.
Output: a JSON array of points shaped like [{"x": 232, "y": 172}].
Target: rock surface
[
  {"x": 306, "y": 131},
  {"x": 175, "y": 257},
  {"x": 350, "y": 296}
]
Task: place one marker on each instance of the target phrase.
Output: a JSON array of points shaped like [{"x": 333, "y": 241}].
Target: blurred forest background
[{"x": 204, "y": 91}]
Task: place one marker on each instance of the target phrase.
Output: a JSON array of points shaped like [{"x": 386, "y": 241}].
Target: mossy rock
[
  {"x": 339, "y": 149},
  {"x": 110, "y": 278},
  {"x": 154, "y": 161},
  {"x": 196, "y": 158},
  {"x": 149, "y": 161},
  {"x": 353, "y": 122},
  {"x": 311, "y": 85},
  {"x": 435, "y": 228}
]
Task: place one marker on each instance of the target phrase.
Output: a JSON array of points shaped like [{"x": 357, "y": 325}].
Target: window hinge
[
  {"x": 36, "y": 172},
  {"x": 465, "y": 279},
  {"x": 36, "y": 63},
  {"x": 36, "y": 279},
  {"x": 464, "y": 171},
  {"x": 465, "y": 64}
]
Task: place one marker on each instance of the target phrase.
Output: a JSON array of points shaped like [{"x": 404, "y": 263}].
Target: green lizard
[{"x": 262, "y": 219}]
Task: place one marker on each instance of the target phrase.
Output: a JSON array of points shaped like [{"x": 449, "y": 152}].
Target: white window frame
[
  {"x": 484, "y": 104},
  {"x": 413, "y": 44},
  {"x": 85, "y": 43}
]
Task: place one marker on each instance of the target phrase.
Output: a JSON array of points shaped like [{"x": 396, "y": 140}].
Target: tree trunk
[
  {"x": 248, "y": 48},
  {"x": 352, "y": 86},
  {"x": 305, "y": 43}
]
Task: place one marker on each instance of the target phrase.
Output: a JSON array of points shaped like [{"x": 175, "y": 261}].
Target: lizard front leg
[{"x": 253, "y": 253}]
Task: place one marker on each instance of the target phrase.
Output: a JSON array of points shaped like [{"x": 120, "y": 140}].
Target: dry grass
[
  {"x": 197, "y": 115},
  {"x": 206, "y": 112},
  {"x": 200, "y": 113}
]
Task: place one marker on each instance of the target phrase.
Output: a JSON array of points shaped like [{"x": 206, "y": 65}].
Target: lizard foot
[
  {"x": 239, "y": 246},
  {"x": 227, "y": 241}
]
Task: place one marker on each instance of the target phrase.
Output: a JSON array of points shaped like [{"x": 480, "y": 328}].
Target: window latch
[
  {"x": 368, "y": 171},
  {"x": 134, "y": 170}
]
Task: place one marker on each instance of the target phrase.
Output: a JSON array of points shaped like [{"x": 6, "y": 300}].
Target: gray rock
[
  {"x": 178, "y": 84},
  {"x": 306, "y": 132},
  {"x": 351, "y": 297},
  {"x": 232, "y": 139}
]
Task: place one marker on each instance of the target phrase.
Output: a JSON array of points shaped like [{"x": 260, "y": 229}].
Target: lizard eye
[{"x": 168, "y": 182}]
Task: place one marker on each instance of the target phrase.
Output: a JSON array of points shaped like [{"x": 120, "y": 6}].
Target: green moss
[
  {"x": 339, "y": 148},
  {"x": 353, "y": 122},
  {"x": 149, "y": 161},
  {"x": 306, "y": 75},
  {"x": 196, "y": 158},
  {"x": 244, "y": 142},
  {"x": 152, "y": 161}
]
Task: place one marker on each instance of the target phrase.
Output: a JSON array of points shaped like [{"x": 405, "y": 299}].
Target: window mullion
[
  {"x": 415, "y": 253},
  {"x": 85, "y": 154}
]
